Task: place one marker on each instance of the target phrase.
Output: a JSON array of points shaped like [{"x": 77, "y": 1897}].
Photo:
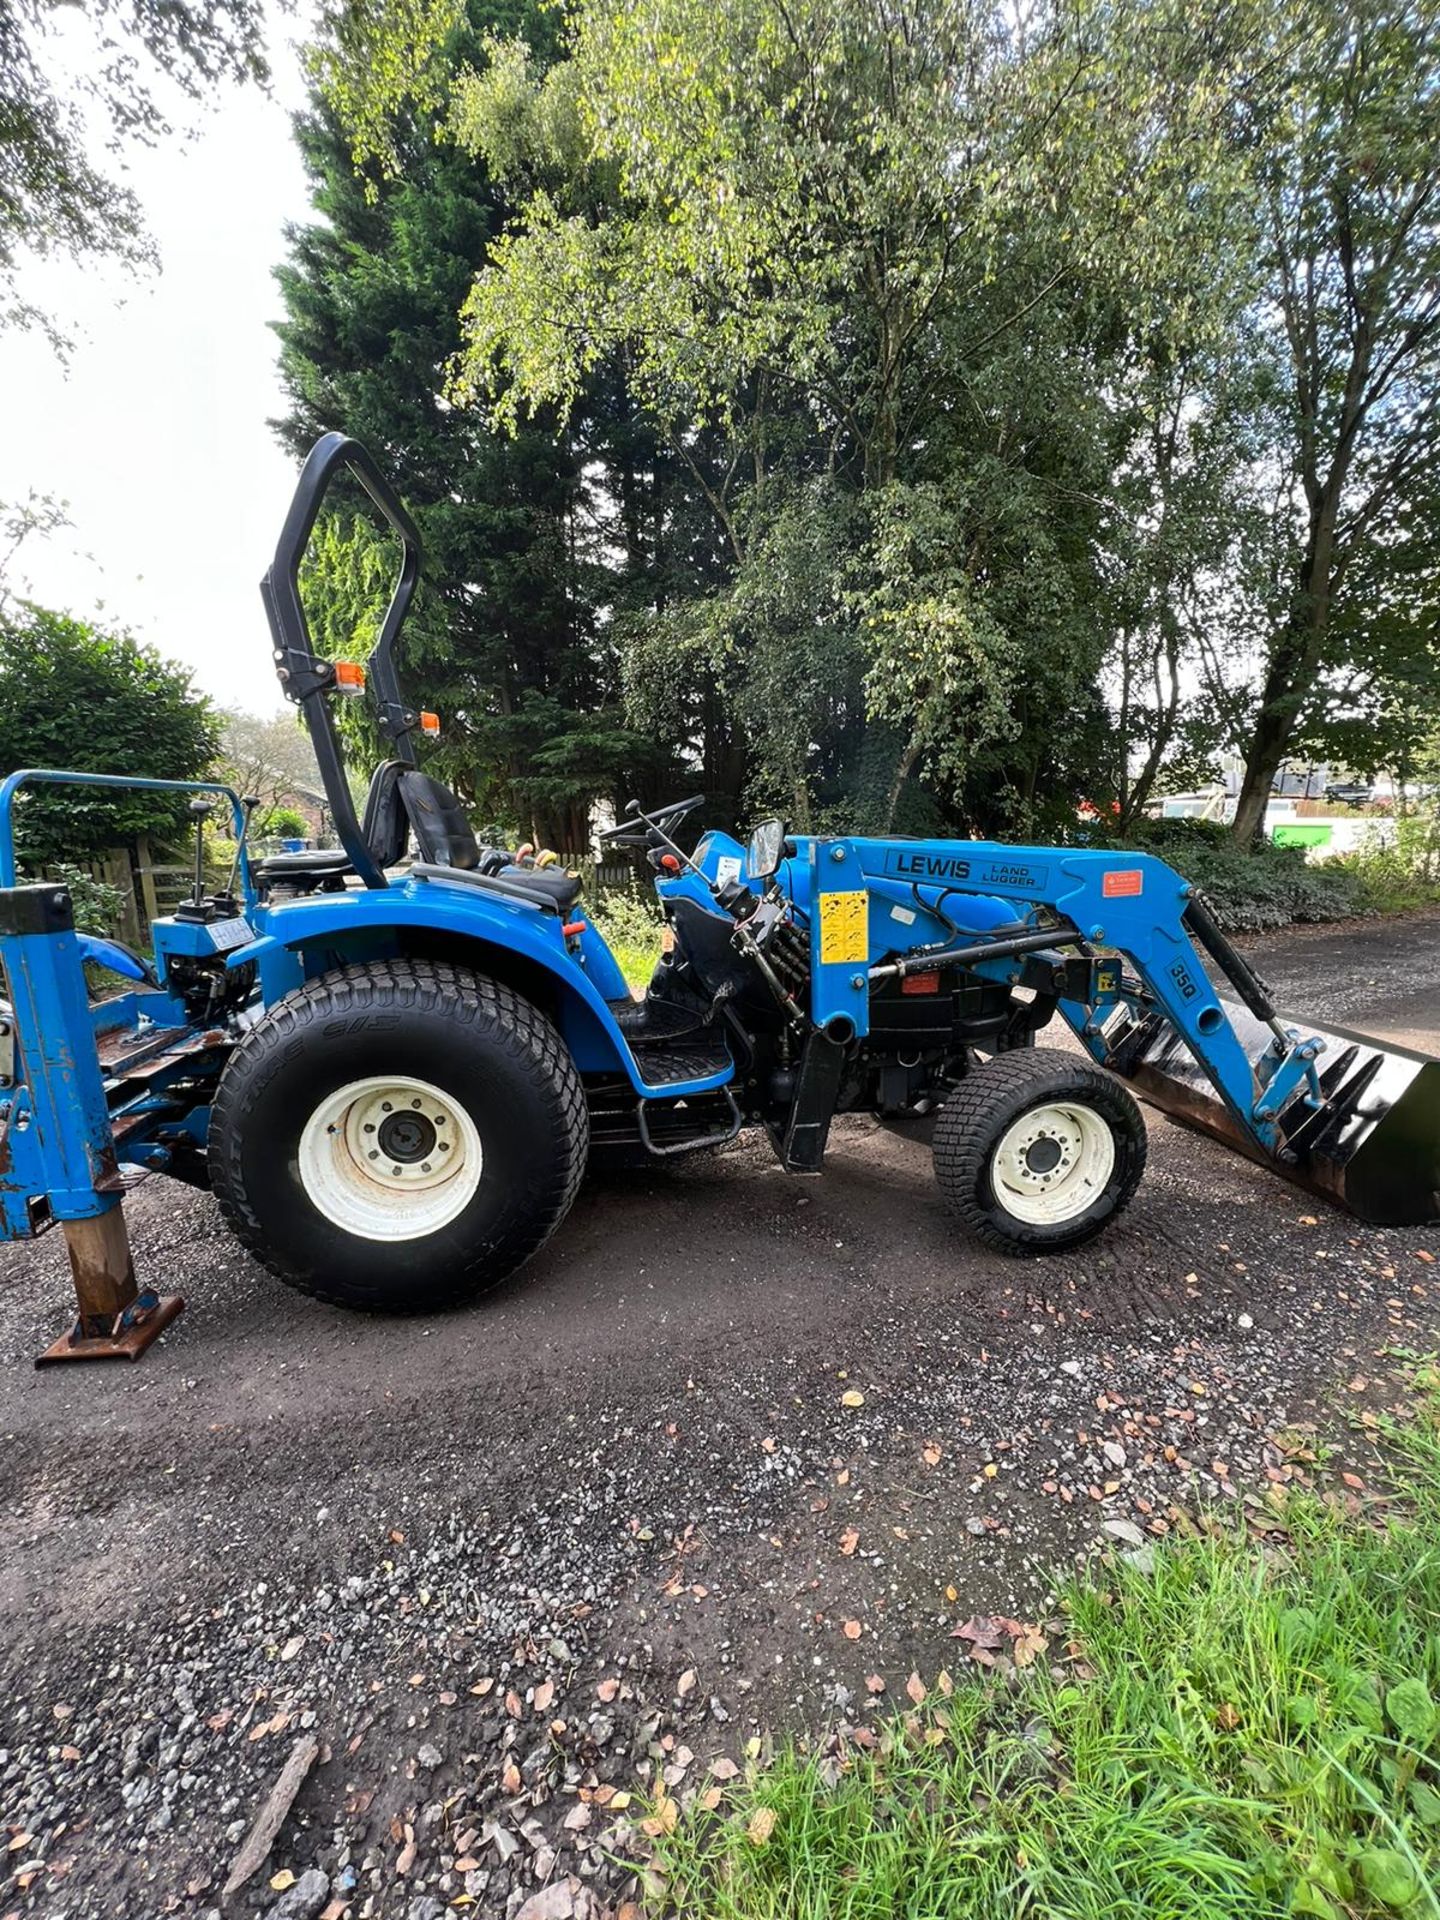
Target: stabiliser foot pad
[{"x": 131, "y": 1333}]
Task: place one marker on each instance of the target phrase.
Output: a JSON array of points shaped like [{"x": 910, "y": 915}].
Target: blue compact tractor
[{"x": 393, "y": 1062}]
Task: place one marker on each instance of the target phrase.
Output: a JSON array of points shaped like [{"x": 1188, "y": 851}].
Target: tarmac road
[{"x": 626, "y": 1493}]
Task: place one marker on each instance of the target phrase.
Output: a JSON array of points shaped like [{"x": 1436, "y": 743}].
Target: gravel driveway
[{"x": 504, "y": 1566}]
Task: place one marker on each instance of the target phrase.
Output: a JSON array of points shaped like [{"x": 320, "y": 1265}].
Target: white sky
[{"x": 156, "y": 432}]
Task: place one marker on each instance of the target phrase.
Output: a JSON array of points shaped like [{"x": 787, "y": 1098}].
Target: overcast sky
[{"x": 156, "y": 432}]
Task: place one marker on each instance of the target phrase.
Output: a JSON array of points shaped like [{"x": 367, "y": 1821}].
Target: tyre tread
[
  {"x": 962, "y": 1136},
  {"x": 425, "y": 986}
]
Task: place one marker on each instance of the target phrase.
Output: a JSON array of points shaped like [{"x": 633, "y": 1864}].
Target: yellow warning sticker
[{"x": 844, "y": 928}]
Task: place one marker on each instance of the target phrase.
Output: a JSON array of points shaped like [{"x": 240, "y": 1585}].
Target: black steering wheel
[{"x": 634, "y": 831}]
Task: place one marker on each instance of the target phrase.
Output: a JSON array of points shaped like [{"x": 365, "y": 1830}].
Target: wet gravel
[{"x": 737, "y": 1455}]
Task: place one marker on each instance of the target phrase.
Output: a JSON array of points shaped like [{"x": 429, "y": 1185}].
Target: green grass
[{"x": 1245, "y": 1730}]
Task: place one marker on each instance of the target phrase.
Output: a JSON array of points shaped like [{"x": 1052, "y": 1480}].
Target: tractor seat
[{"x": 312, "y": 867}]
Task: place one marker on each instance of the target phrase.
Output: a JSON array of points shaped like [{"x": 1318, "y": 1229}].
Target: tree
[
  {"x": 267, "y": 759},
  {"x": 53, "y": 198},
  {"x": 857, "y": 249},
  {"x": 72, "y": 696},
  {"x": 506, "y": 640},
  {"x": 1345, "y": 141}
]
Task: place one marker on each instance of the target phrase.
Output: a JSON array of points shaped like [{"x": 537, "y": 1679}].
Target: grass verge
[{"x": 1238, "y": 1728}]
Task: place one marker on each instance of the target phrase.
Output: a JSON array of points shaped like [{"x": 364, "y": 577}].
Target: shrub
[{"x": 1251, "y": 892}]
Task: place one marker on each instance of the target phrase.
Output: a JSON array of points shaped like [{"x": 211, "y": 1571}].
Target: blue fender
[{"x": 293, "y": 936}]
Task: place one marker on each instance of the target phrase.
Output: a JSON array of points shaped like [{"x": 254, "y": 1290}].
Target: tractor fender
[{"x": 298, "y": 939}]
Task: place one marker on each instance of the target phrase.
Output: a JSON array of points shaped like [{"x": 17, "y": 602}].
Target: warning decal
[
  {"x": 1123, "y": 884},
  {"x": 844, "y": 928}
]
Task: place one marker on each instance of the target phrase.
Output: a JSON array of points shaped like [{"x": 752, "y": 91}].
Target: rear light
[
  {"x": 430, "y": 725},
  {"x": 349, "y": 677},
  {"x": 920, "y": 983}
]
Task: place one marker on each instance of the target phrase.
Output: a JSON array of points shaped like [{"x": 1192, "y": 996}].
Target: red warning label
[{"x": 1123, "y": 884}]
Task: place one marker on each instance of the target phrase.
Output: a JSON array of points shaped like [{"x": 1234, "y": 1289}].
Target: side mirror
[{"x": 766, "y": 850}]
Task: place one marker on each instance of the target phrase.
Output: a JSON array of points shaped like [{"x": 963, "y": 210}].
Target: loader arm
[{"x": 1122, "y": 936}]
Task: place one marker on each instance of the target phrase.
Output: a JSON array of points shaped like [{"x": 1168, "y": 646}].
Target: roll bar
[{"x": 304, "y": 676}]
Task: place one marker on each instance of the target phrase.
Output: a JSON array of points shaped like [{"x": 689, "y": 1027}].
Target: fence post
[
  {"x": 146, "y": 878},
  {"x": 114, "y": 867}
]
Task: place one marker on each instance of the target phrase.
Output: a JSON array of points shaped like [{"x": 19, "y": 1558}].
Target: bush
[
  {"x": 1252, "y": 892},
  {"x": 73, "y": 696},
  {"x": 630, "y": 926},
  {"x": 1402, "y": 870},
  {"x": 97, "y": 905}
]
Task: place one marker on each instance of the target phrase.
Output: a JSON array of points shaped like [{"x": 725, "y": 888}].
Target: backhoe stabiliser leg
[{"x": 58, "y": 1146}]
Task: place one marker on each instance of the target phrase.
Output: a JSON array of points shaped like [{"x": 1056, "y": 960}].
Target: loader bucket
[{"x": 1372, "y": 1147}]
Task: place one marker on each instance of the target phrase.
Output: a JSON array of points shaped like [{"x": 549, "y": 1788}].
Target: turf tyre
[
  {"x": 495, "y": 1057},
  {"x": 990, "y": 1107}
]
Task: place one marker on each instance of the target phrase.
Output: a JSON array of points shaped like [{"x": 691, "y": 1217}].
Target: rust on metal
[{"x": 115, "y": 1321}]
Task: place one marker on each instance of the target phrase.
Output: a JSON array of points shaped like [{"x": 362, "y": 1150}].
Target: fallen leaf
[
  {"x": 852, "y": 1629},
  {"x": 447, "y": 1698},
  {"x": 710, "y": 1799},
  {"x": 849, "y": 1540},
  {"x": 1027, "y": 1644},
  {"x": 292, "y": 1646},
  {"x": 281, "y": 1880},
  {"x": 1353, "y": 1480},
  {"x": 724, "y": 1768},
  {"x": 852, "y": 1398},
  {"x": 762, "y": 1825},
  {"x": 930, "y": 1454},
  {"x": 686, "y": 1682},
  {"x": 945, "y": 1683},
  {"x": 916, "y": 1688},
  {"x": 482, "y": 1687},
  {"x": 875, "y": 1682},
  {"x": 513, "y": 1705},
  {"x": 69, "y": 1753},
  {"x": 405, "y": 1859},
  {"x": 218, "y": 1722},
  {"x": 980, "y": 1628},
  {"x": 544, "y": 1694},
  {"x": 607, "y": 1690},
  {"x": 1227, "y": 1717},
  {"x": 510, "y": 1777}
]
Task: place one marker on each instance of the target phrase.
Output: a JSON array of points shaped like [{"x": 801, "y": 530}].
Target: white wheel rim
[
  {"x": 390, "y": 1158},
  {"x": 1052, "y": 1164}
]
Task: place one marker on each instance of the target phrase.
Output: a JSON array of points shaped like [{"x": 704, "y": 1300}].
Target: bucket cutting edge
[{"x": 1372, "y": 1146}]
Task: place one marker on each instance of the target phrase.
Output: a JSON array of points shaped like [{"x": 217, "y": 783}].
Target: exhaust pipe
[{"x": 1372, "y": 1145}]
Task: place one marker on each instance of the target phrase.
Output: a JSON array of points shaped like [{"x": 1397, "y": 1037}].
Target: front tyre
[
  {"x": 399, "y": 1136},
  {"x": 1036, "y": 1151}
]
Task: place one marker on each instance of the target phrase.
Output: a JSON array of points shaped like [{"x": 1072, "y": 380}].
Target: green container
[{"x": 1304, "y": 833}]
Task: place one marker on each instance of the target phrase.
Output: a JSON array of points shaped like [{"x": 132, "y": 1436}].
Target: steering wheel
[{"x": 634, "y": 831}]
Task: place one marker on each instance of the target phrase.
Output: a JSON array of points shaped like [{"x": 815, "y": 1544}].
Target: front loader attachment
[{"x": 1371, "y": 1143}]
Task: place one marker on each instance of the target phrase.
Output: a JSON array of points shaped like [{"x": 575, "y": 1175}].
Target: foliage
[
  {"x": 1349, "y": 266},
  {"x": 97, "y": 905},
  {"x": 1401, "y": 868},
  {"x": 1255, "y": 1737},
  {"x": 280, "y": 823},
  {"x": 505, "y": 640},
  {"x": 72, "y": 696},
  {"x": 630, "y": 925},
  {"x": 53, "y": 197},
  {"x": 1251, "y": 890},
  {"x": 269, "y": 760},
  {"x": 999, "y": 410}
]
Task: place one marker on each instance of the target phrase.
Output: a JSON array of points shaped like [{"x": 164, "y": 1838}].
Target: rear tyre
[
  {"x": 1037, "y": 1152},
  {"x": 400, "y": 1136}
]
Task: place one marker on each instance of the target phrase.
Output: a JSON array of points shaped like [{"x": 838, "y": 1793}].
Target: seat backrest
[
  {"x": 385, "y": 826},
  {"x": 437, "y": 819}
]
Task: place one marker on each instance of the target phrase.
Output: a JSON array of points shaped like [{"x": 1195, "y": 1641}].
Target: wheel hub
[
  {"x": 1052, "y": 1163},
  {"x": 390, "y": 1158},
  {"x": 406, "y": 1137}
]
